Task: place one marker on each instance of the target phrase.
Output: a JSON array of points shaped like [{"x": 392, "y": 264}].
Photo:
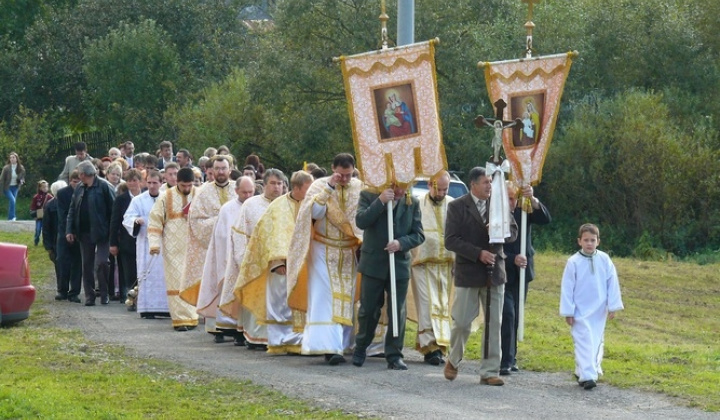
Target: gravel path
[{"x": 420, "y": 392}]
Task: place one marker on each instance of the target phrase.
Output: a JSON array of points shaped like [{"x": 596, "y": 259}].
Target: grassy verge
[
  {"x": 47, "y": 372},
  {"x": 666, "y": 340}
]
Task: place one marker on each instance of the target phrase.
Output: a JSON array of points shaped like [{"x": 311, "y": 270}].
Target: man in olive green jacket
[{"x": 375, "y": 267}]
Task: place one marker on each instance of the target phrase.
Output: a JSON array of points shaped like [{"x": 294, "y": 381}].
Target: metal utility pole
[{"x": 406, "y": 22}]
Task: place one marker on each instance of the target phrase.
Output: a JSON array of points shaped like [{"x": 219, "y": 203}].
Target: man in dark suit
[
  {"x": 374, "y": 265},
  {"x": 122, "y": 244},
  {"x": 166, "y": 154},
  {"x": 479, "y": 277},
  {"x": 68, "y": 254},
  {"x": 514, "y": 262}
]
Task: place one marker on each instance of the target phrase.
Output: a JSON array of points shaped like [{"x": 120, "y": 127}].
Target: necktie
[{"x": 481, "y": 209}]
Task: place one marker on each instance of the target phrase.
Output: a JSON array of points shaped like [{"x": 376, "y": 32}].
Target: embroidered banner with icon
[
  {"x": 532, "y": 89},
  {"x": 394, "y": 113}
]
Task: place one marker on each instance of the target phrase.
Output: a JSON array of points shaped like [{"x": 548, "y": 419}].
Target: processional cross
[{"x": 498, "y": 124}]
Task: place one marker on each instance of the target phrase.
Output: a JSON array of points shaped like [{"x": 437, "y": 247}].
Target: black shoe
[
  {"x": 219, "y": 338},
  {"x": 60, "y": 296},
  {"x": 504, "y": 372},
  {"x": 358, "y": 357},
  {"x": 181, "y": 328},
  {"x": 434, "y": 358},
  {"x": 90, "y": 302},
  {"x": 147, "y": 316},
  {"x": 74, "y": 299},
  {"x": 105, "y": 300},
  {"x": 252, "y": 346},
  {"x": 514, "y": 368},
  {"x": 334, "y": 359},
  {"x": 239, "y": 340},
  {"x": 397, "y": 365},
  {"x": 588, "y": 385}
]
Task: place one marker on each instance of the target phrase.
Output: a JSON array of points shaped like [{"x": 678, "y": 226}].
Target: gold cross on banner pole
[
  {"x": 383, "y": 32},
  {"x": 529, "y": 26}
]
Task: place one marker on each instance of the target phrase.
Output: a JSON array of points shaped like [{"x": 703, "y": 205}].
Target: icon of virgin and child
[{"x": 395, "y": 114}]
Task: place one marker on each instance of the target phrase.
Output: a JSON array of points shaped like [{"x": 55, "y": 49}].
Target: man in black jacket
[
  {"x": 68, "y": 254},
  {"x": 514, "y": 262},
  {"x": 122, "y": 244},
  {"x": 88, "y": 222}
]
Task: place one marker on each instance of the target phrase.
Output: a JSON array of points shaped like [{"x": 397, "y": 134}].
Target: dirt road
[{"x": 420, "y": 392}]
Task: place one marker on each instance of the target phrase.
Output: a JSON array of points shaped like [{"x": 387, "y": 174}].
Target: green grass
[
  {"x": 666, "y": 340},
  {"x": 48, "y": 372},
  {"x": 22, "y": 207}
]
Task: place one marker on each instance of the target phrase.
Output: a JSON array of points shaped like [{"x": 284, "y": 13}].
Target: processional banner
[
  {"x": 532, "y": 89},
  {"x": 394, "y": 114}
]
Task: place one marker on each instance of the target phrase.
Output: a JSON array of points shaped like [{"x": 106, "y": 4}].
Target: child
[
  {"x": 590, "y": 294},
  {"x": 37, "y": 207}
]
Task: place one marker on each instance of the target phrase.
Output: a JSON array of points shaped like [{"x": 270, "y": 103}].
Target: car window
[{"x": 457, "y": 188}]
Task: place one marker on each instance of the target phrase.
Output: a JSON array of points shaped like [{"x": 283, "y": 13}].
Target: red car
[{"x": 16, "y": 292}]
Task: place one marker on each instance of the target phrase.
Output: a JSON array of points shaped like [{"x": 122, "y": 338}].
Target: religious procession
[{"x": 333, "y": 262}]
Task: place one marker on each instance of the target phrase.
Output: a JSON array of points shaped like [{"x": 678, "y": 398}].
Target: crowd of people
[{"x": 301, "y": 264}]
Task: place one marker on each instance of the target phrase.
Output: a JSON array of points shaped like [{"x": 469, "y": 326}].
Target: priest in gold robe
[
  {"x": 215, "y": 261},
  {"x": 203, "y": 216},
  {"x": 262, "y": 284},
  {"x": 322, "y": 267},
  {"x": 431, "y": 275},
  {"x": 168, "y": 229},
  {"x": 252, "y": 210}
]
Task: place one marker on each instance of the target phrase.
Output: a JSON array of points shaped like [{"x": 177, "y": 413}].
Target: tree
[
  {"x": 222, "y": 115},
  {"x": 133, "y": 74}
]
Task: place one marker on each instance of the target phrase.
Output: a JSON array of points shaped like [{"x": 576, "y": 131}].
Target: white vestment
[
  {"x": 168, "y": 230},
  {"x": 152, "y": 294},
  {"x": 432, "y": 280},
  {"x": 252, "y": 209},
  {"x": 322, "y": 266},
  {"x": 214, "y": 268},
  {"x": 590, "y": 289},
  {"x": 202, "y": 217}
]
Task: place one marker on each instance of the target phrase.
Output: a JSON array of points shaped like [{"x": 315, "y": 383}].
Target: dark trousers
[
  {"x": 69, "y": 264},
  {"x": 128, "y": 272},
  {"x": 372, "y": 299},
  {"x": 510, "y": 322},
  {"x": 94, "y": 266}
]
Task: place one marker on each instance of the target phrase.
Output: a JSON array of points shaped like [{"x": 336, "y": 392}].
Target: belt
[{"x": 336, "y": 243}]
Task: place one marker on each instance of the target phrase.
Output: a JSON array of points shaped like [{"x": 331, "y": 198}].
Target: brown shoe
[
  {"x": 493, "y": 381},
  {"x": 450, "y": 371}
]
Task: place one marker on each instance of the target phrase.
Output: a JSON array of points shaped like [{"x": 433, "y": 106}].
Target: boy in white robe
[{"x": 589, "y": 296}]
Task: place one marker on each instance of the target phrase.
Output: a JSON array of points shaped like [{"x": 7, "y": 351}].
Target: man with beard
[
  {"x": 168, "y": 229},
  {"x": 250, "y": 213},
  {"x": 203, "y": 215},
  {"x": 216, "y": 322},
  {"x": 431, "y": 271},
  {"x": 322, "y": 267}
]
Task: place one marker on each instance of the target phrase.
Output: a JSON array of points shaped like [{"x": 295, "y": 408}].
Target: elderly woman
[
  {"x": 114, "y": 175},
  {"x": 11, "y": 179}
]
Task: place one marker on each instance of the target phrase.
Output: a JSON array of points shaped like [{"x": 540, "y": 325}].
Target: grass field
[{"x": 666, "y": 340}]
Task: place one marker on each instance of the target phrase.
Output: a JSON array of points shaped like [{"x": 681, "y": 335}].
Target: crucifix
[{"x": 498, "y": 124}]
